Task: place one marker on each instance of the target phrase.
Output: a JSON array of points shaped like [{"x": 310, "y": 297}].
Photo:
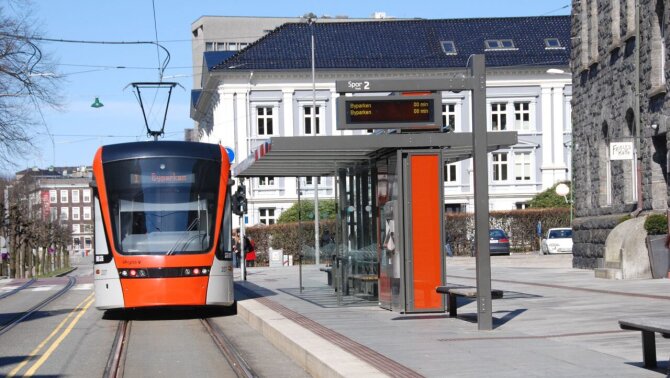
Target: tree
[
  {"x": 327, "y": 210},
  {"x": 27, "y": 80},
  {"x": 549, "y": 198}
]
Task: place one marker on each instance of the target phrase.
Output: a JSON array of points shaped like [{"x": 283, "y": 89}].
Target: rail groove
[
  {"x": 229, "y": 351},
  {"x": 117, "y": 358},
  {"x": 16, "y": 290},
  {"x": 26, "y": 314}
]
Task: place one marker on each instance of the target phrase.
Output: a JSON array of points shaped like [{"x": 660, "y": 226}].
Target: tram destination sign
[{"x": 389, "y": 112}]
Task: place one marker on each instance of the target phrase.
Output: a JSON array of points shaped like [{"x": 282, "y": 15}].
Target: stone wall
[{"x": 603, "y": 112}]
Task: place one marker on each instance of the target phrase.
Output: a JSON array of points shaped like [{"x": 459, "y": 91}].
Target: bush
[
  {"x": 656, "y": 224},
  {"x": 624, "y": 218}
]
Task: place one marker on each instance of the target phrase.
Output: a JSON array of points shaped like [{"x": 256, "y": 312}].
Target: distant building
[
  {"x": 265, "y": 90},
  {"x": 63, "y": 195},
  {"x": 610, "y": 122}
]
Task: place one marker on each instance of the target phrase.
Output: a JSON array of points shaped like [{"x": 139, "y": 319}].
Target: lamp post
[
  {"x": 317, "y": 251},
  {"x": 563, "y": 190}
]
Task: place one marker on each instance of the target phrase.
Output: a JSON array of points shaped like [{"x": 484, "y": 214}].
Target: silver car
[{"x": 558, "y": 240}]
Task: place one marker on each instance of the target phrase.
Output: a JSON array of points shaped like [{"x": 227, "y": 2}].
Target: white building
[{"x": 266, "y": 90}]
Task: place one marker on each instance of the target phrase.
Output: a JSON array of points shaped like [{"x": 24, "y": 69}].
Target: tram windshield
[{"x": 163, "y": 206}]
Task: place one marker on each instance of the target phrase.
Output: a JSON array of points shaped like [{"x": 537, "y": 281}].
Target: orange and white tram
[{"x": 162, "y": 225}]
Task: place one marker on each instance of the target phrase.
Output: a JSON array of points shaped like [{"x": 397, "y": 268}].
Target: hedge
[{"x": 520, "y": 225}]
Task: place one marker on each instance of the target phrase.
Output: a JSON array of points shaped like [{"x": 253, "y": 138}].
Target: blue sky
[{"x": 89, "y": 70}]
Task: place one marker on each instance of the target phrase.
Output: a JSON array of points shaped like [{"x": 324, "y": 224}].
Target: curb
[{"x": 316, "y": 355}]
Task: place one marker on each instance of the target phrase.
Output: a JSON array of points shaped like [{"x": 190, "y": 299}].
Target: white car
[{"x": 558, "y": 240}]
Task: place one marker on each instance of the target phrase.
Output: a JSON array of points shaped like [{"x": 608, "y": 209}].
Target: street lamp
[
  {"x": 563, "y": 191},
  {"x": 317, "y": 250}
]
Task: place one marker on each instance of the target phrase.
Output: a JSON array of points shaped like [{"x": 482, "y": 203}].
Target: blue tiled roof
[
  {"x": 406, "y": 44},
  {"x": 213, "y": 58}
]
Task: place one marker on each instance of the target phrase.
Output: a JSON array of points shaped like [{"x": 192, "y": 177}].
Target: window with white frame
[
  {"x": 53, "y": 214},
  {"x": 87, "y": 242},
  {"x": 267, "y": 215},
  {"x": 63, "y": 196},
  {"x": 86, "y": 195},
  {"x": 75, "y": 196},
  {"x": 498, "y": 116},
  {"x": 500, "y": 166},
  {"x": 308, "y": 128},
  {"x": 265, "y": 181},
  {"x": 309, "y": 181},
  {"x": 264, "y": 120},
  {"x": 451, "y": 172},
  {"x": 522, "y": 116},
  {"x": 449, "y": 116},
  {"x": 75, "y": 228},
  {"x": 522, "y": 166},
  {"x": 75, "y": 212},
  {"x": 64, "y": 213},
  {"x": 53, "y": 196},
  {"x": 87, "y": 213},
  {"x": 88, "y": 228}
]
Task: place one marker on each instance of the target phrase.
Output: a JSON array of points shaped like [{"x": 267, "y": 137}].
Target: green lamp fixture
[{"x": 97, "y": 104}]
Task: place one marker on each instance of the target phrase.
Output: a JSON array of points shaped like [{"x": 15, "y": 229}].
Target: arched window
[
  {"x": 604, "y": 168},
  {"x": 630, "y": 17},
  {"x": 584, "y": 34},
  {"x": 658, "y": 46},
  {"x": 629, "y": 169},
  {"x": 616, "y": 22},
  {"x": 593, "y": 32}
]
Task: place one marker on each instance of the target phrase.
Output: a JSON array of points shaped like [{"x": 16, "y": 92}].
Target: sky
[{"x": 71, "y": 135}]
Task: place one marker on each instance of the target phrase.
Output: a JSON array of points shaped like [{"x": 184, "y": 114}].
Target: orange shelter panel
[{"x": 426, "y": 238}]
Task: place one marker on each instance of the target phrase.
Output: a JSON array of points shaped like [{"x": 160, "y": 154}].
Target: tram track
[
  {"x": 21, "y": 316},
  {"x": 16, "y": 290},
  {"x": 116, "y": 362}
]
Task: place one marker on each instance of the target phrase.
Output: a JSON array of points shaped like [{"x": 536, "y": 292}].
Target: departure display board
[{"x": 384, "y": 112}]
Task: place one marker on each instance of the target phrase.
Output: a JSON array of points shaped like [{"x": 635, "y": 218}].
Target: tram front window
[{"x": 163, "y": 205}]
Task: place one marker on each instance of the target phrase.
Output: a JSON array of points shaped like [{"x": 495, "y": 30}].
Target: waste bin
[{"x": 658, "y": 256}]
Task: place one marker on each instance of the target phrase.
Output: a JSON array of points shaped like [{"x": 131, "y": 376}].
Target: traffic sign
[{"x": 231, "y": 154}]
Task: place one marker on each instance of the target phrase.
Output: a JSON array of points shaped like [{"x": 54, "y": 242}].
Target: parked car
[
  {"x": 498, "y": 242},
  {"x": 558, "y": 240}
]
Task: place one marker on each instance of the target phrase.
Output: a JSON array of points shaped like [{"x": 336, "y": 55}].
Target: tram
[{"x": 162, "y": 225}]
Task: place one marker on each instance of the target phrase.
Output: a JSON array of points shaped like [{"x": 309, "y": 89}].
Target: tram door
[{"x": 411, "y": 225}]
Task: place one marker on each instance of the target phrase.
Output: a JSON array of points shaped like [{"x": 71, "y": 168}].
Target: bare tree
[{"x": 27, "y": 80}]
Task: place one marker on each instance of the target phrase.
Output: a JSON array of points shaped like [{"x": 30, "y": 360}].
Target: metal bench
[
  {"x": 453, "y": 292},
  {"x": 329, "y": 273},
  {"x": 364, "y": 283},
  {"x": 649, "y": 326}
]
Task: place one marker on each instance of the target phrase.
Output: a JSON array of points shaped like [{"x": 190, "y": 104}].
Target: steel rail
[
  {"x": 228, "y": 349},
  {"x": 26, "y": 314},
  {"x": 117, "y": 358},
  {"x": 16, "y": 290}
]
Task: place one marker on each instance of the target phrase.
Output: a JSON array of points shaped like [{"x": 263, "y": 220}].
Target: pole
[
  {"x": 317, "y": 251},
  {"x": 299, "y": 239},
  {"x": 243, "y": 253},
  {"x": 481, "y": 191}
]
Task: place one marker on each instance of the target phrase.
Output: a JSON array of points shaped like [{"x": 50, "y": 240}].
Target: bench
[
  {"x": 649, "y": 327},
  {"x": 329, "y": 272},
  {"x": 364, "y": 283},
  {"x": 453, "y": 292}
]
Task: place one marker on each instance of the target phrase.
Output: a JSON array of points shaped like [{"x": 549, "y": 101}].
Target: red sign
[{"x": 46, "y": 205}]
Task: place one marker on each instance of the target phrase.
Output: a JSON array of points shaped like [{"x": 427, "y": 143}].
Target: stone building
[{"x": 620, "y": 138}]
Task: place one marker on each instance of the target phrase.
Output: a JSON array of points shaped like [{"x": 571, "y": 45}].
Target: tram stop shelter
[
  {"x": 389, "y": 187},
  {"x": 389, "y": 237}
]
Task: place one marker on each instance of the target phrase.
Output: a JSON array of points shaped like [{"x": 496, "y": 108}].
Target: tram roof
[{"x": 299, "y": 156}]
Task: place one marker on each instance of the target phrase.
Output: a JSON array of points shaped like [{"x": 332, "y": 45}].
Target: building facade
[
  {"x": 268, "y": 90},
  {"x": 62, "y": 195},
  {"x": 621, "y": 117}
]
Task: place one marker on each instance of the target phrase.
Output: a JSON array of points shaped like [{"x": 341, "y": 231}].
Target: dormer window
[
  {"x": 552, "y": 43},
  {"x": 499, "y": 44},
  {"x": 449, "y": 47}
]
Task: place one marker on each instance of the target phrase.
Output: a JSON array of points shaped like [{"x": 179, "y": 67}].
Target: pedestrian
[
  {"x": 236, "y": 250},
  {"x": 250, "y": 251}
]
